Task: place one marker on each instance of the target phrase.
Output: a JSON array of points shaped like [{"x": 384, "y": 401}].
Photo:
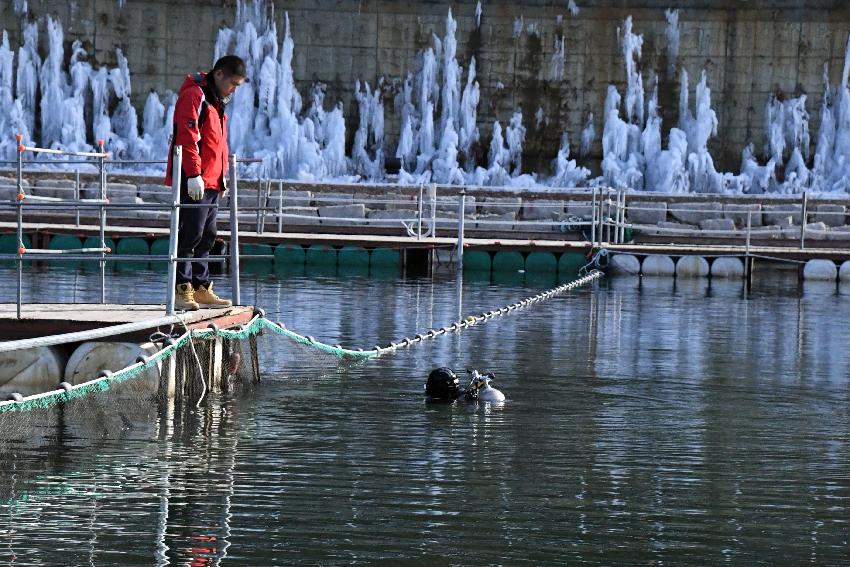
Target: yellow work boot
[
  {"x": 206, "y": 297},
  {"x": 184, "y": 299}
]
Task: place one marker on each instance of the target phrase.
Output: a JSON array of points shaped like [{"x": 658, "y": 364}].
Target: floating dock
[
  {"x": 61, "y": 343},
  {"x": 44, "y": 319}
]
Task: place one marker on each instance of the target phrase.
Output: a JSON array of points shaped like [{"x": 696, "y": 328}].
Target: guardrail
[{"x": 23, "y": 202}]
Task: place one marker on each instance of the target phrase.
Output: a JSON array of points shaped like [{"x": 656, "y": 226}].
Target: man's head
[
  {"x": 442, "y": 384},
  {"x": 227, "y": 74}
]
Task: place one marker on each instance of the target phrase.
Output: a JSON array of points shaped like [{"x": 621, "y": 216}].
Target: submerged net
[{"x": 192, "y": 354}]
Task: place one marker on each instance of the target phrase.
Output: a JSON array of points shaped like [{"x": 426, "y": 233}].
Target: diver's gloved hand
[{"x": 195, "y": 185}]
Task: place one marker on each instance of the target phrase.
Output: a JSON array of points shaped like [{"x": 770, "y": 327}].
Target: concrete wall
[{"x": 749, "y": 50}]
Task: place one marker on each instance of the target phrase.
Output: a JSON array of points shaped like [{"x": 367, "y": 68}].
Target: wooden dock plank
[{"x": 51, "y": 318}]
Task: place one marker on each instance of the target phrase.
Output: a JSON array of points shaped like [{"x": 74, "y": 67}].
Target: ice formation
[
  {"x": 556, "y": 64},
  {"x": 71, "y": 102}
]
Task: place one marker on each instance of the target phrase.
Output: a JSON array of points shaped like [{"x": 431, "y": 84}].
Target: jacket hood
[{"x": 190, "y": 82}]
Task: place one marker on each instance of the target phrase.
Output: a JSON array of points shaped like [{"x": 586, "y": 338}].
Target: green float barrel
[
  {"x": 94, "y": 242},
  {"x": 353, "y": 261},
  {"x": 570, "y": 263},
  {"x": 541, "y": 262},
  {"x": 508, "y": 261},
  {"x": 64, "y": 242},
  {"x": 159, "y": 247},
  {"x": 9, "y": 245},
  {"x": 320, "y": 255},
  {"x": 255, "y": 265},
  {"x": 289, "y": 255},
  {"x": 385, "y": 259},
  {"x": 353, "y": 256},
  {"x": 132, "y": 247},
  {"x": 476, "y": 261}
]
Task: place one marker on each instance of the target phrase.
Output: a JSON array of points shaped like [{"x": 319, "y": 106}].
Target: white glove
[{"x": 195, "y": 186}]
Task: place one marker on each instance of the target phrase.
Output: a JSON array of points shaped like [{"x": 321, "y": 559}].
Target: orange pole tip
[
  {"x": 19, "y": 138},
  {"x": 100, "y": 142},
  {"x": 21, "y": 196},
  {"x": 21, "y": 250},
  {"x": 20, "y": 147}
]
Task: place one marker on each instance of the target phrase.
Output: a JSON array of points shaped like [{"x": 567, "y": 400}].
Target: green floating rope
[{"x": 254, "y": 327}]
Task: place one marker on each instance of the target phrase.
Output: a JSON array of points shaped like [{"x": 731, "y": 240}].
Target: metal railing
[{"x": 101, "y": 253}]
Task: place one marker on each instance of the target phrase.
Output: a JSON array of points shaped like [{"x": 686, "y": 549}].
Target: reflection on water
[{"x": 648, "y": 421}]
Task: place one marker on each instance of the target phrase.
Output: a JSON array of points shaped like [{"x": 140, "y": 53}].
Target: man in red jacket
[{"x": 200, "y": 126}]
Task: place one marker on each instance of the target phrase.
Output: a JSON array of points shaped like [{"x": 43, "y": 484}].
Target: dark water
[{"x": 646, "y": 424}]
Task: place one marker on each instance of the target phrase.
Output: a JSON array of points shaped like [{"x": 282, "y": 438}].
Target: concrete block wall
[{"x": 748, "y": 49}]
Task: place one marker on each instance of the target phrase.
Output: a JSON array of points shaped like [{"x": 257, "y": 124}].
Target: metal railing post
[
  {"x": 593, "y": 217},
  {"x": 747, "y": 264},
  {"x": 803, "y": 219},
  {"x": 267, "y": 189},
  {"x": 280, "y": 206},
  {"x": 77, "y": 196},
  {"x": 234, "y": 232},
  {"x": 20, "y": 219},
  {"x": 259, "y": 204},
  {"x": 176, "y": 174},
  {"x": 433, "y": 195},
  {"x": 623, "y": 219},
  {"x": 617, "y": 218},
  {"x": 461, "y": 211},
  {"x": 102, "y": 165},
  {"x": 419, "y": 214}
]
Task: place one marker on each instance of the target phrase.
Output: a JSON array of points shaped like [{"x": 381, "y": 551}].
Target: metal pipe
[
  {"x": 461, "y": 207},
  {"x": 101, "y": 165},
  {"x": 433, "y": 194},
  {"x": 68, "y": 250},
  {"x": 280, "y": 206},
  {"x": 32, "y": 203},
  {"x": 622, "y": 238},
  {"x": 63, "y": 152},
  {"x": 266, "y": 194},
  {"x": 77, "y": 196},
  {"x": 78, "y": 256},
  {"x": 593, "y": 217},
  {"x": 804, "y": 220},
  {"x": 749, "y": 226},
  {"x": 20, "y": 219},
  {"x": 81, "y": 336},
  {"x": 419, "y": 213},
  {"x": 234, "y": 232},
  {"x": 259, "y": 204},
  {"x": 176, "y": 173}
]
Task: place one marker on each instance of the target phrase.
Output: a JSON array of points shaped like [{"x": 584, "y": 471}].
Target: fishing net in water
[{"x": 187, "y": 363}]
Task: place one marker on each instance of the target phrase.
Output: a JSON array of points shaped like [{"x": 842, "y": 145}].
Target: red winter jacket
[{"x": 200, "y": 126}]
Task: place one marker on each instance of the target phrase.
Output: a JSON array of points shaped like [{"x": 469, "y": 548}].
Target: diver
[{"x": 443, "y": 385}]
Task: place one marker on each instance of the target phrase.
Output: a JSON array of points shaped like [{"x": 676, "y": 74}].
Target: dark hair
[{"x": 231, "y": 65}]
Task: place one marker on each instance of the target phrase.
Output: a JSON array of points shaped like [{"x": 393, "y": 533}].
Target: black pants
[{"x": 195, "y": 237}]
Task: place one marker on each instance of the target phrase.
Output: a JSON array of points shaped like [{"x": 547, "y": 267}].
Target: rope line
[{"x": 256, "y": 326}]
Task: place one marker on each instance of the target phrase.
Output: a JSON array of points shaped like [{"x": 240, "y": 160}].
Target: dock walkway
[
  {"x": 552, "y": 242},
  {"x": 43, "y": 319}
]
